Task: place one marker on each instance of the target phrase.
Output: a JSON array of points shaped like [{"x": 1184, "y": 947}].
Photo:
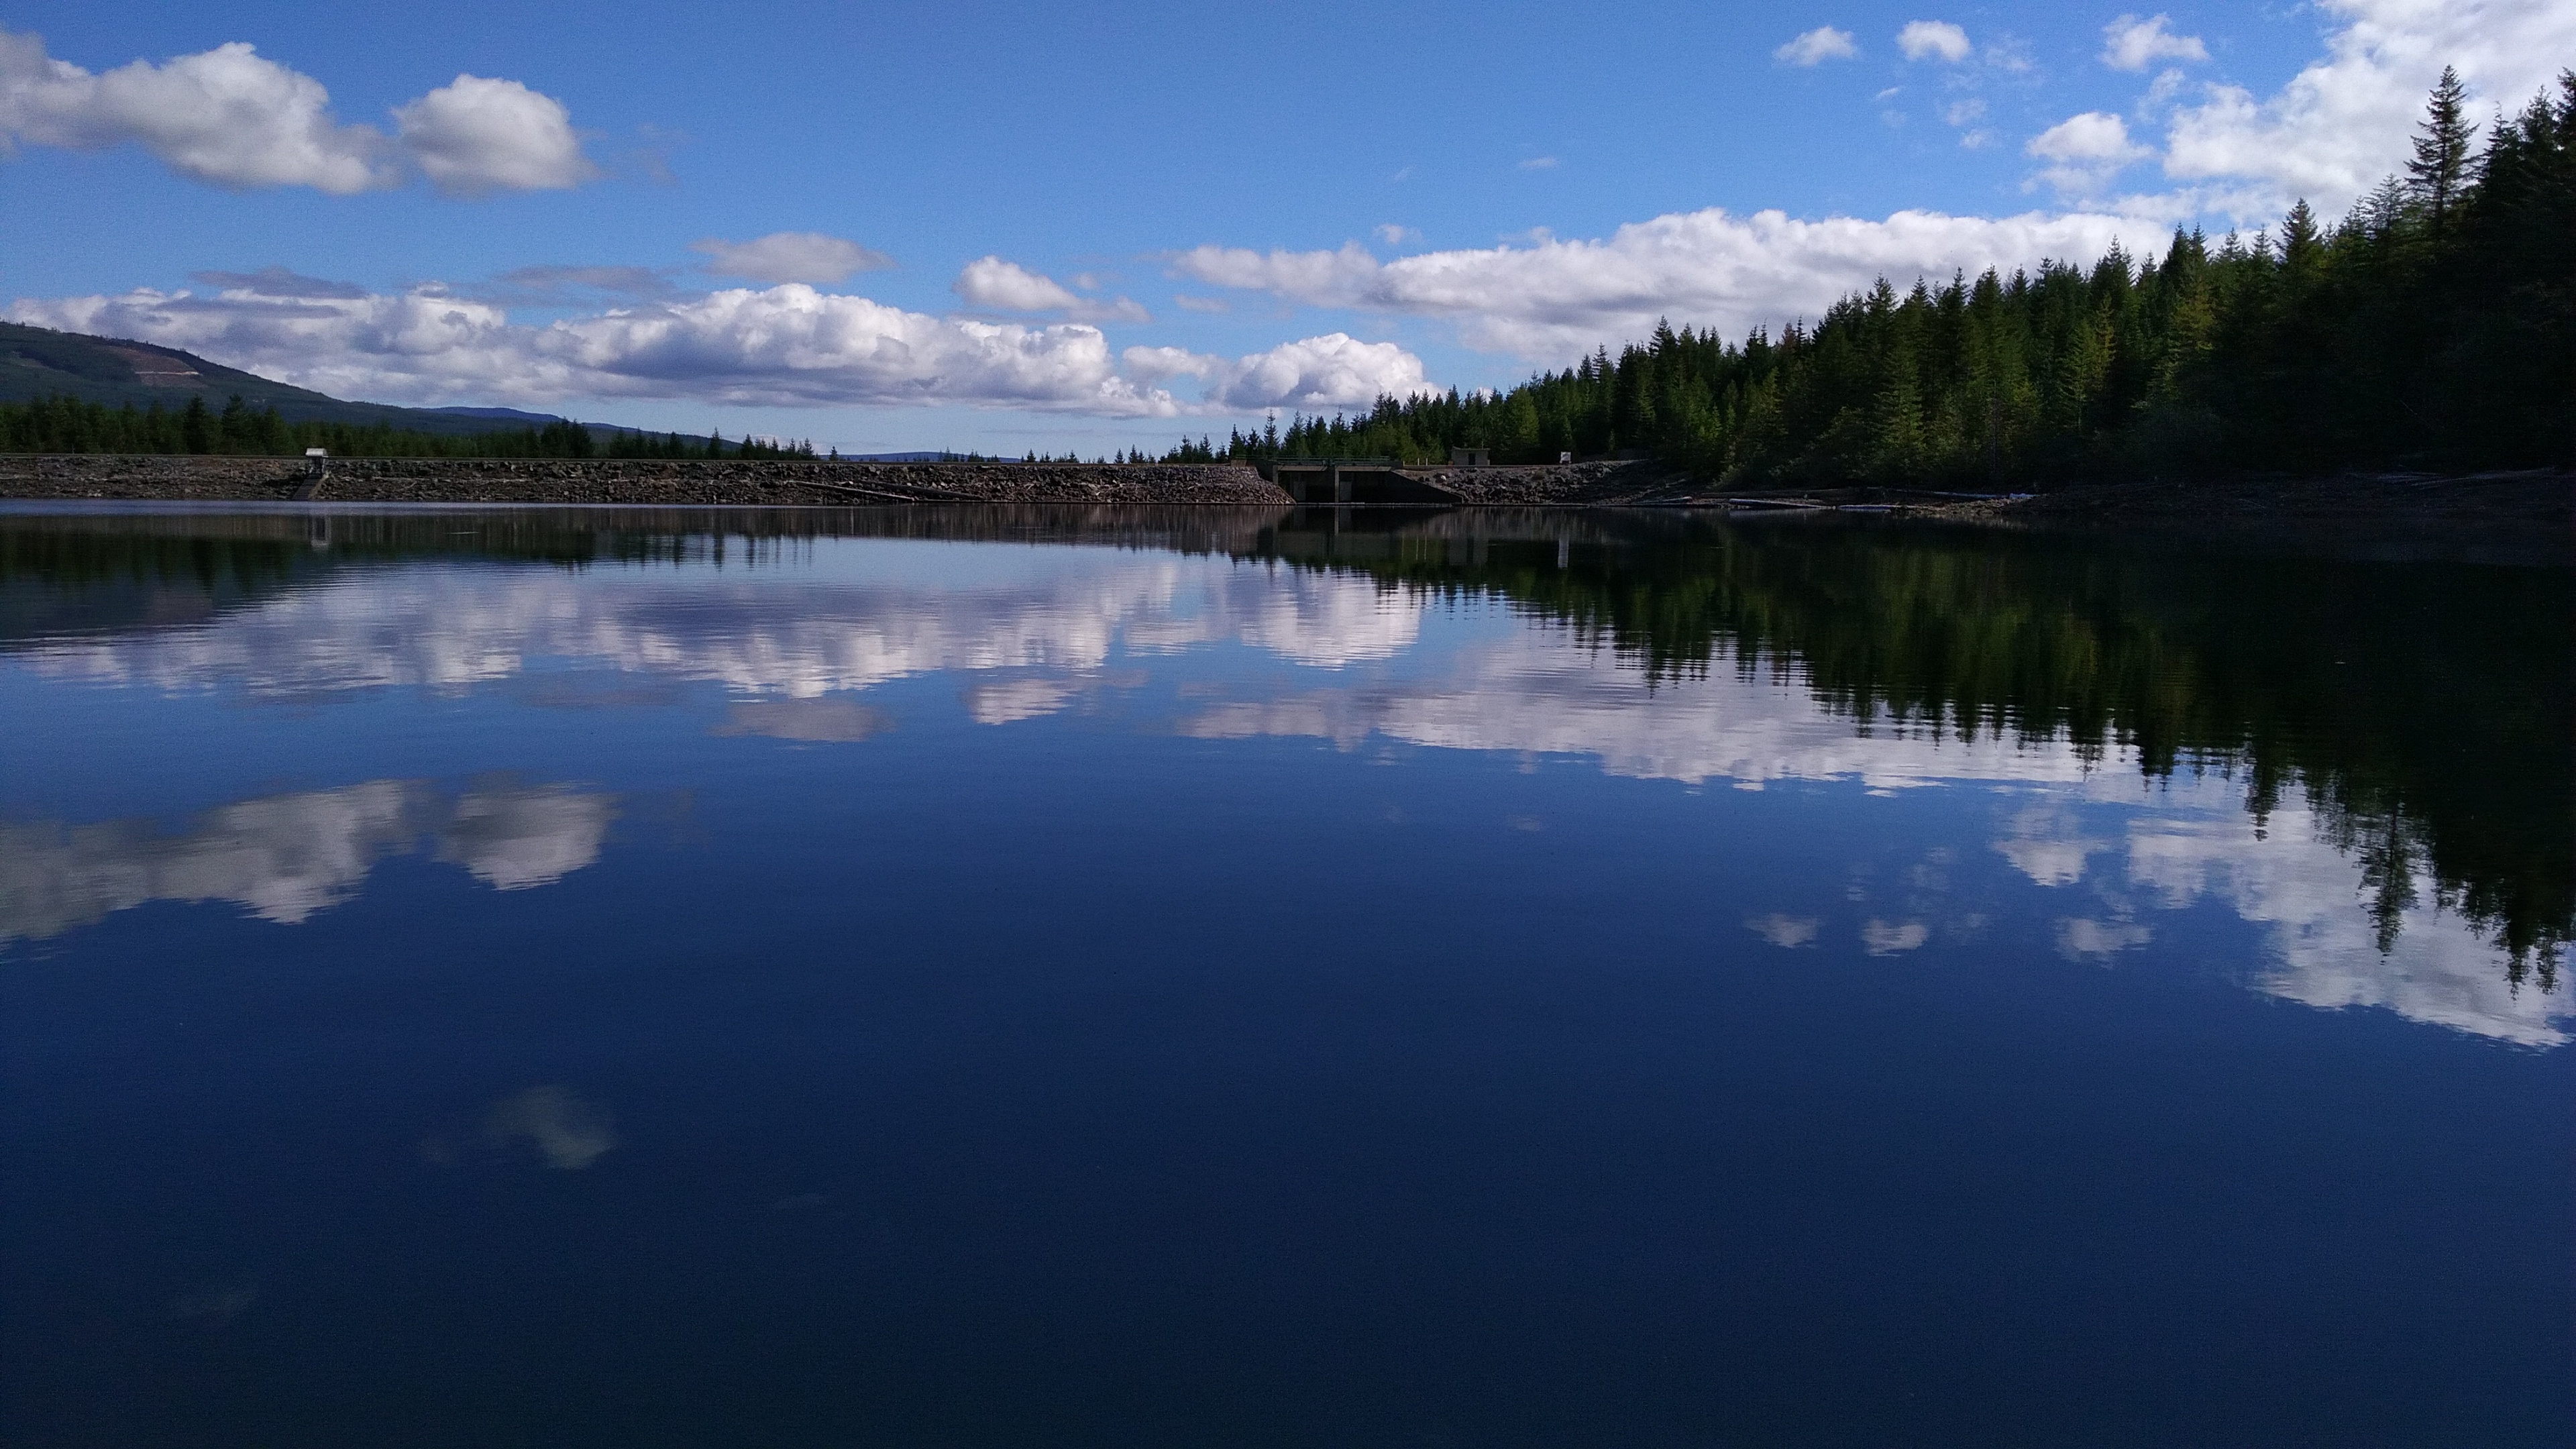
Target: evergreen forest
[
  {"x": 69, "y": 425},
  {"x": 2433, "y": 327}
]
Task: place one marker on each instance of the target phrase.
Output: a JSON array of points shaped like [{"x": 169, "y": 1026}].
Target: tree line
[
  {"x": 68, "y": 425},
  {"x": 2434, "y": 326}
]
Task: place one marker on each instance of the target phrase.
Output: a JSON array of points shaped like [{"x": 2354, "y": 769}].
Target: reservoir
[{"x": 1264, "y": 976}]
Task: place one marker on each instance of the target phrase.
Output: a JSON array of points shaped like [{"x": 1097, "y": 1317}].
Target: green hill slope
[{"x": 37, "y": 362}]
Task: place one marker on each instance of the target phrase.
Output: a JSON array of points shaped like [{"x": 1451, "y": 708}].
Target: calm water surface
[{"x": 1186, "y": 978}]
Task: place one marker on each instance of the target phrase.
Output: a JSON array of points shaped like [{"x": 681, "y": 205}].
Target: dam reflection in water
[{"x": 1132, "y": 976}]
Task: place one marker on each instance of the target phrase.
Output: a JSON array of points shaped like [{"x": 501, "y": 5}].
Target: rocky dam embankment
[
  {"x": 623, "y": 480},
  {"x": 2521, "y": 516},
  {"x": 655, "y": 482}
]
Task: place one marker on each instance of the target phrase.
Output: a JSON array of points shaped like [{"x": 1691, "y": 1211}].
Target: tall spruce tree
[
  {"x": 2441, "y": 152},
  {"x": 2301, "y": 245}
]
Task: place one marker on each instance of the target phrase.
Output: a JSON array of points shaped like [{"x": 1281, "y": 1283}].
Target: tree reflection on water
[{"x": 2421, "y": 709}]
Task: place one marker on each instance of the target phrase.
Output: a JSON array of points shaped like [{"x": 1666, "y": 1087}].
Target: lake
[{"x": 1241, "y": 976}]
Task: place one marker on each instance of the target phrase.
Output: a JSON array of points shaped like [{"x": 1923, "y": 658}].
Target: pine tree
[
  {"x": 2441, "y": 151},
  {"x": 235, "y": 426},
  {"x": 197, "y": 426},
  {"x": 2301, "y": 246}
]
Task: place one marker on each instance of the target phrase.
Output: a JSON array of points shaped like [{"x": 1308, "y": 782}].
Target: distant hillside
[{"x": 38, "y": 362}]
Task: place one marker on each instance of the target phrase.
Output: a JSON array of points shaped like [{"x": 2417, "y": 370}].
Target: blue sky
[{"x": 1272, "y": 165}]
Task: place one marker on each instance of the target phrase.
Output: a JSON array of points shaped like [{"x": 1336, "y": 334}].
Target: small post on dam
[{"x": 317, "y": 463}]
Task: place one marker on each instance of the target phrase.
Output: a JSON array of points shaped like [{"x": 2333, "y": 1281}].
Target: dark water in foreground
[{"x": 1153, "y": 977}]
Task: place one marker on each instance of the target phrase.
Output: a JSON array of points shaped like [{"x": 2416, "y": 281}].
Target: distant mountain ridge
[{"x": 39, "y": 362}]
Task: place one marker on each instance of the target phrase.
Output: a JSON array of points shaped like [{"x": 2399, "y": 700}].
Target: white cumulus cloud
[
  {"x": 1332, "y": 371},
  {"x": 2342, "y": 124},
  {"x": 2129, "y": 43},
  {"x": 993, "y": 283},
  {"x": 226, "y": 115},
  {"x": 790, "y": 256},
  {"x": 1817, "y": 46},
  {"x": 1312, "y": 374},
  {"x": 1334, "y": 278},
  {"x": 475, "y": 135},
  {"x": 1549, "y": 299},
  {"x": 787, "y": 345},
  {"x": 1154, "y": 364},
  {"x": 2084, "y": 151},
  {"x": 231, "y": 117},
  {"x": 2092, "y": 136},
  {"x": 1933, "y": 40}
]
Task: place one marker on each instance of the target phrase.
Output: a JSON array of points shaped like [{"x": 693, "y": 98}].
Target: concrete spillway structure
[{"x": 1353, "y": 480}]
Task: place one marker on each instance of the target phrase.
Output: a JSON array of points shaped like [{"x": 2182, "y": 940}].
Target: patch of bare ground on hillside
[{"x": 620, "y": 480}]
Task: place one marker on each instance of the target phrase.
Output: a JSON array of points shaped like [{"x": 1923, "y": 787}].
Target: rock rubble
[{"x": 626, "y": 480}]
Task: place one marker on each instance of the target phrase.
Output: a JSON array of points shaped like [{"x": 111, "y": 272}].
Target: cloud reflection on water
[
  {"x": 449, "y": 629},
  {"x": 285, "y": 857},
  {"x": 566, "y": 1131},
  {"x": 2187, "y": 839},
  {"x": 1008, "y": 701},
  {"x": 815, "y": 721},
  {"x": 1033, "y": 640}
]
